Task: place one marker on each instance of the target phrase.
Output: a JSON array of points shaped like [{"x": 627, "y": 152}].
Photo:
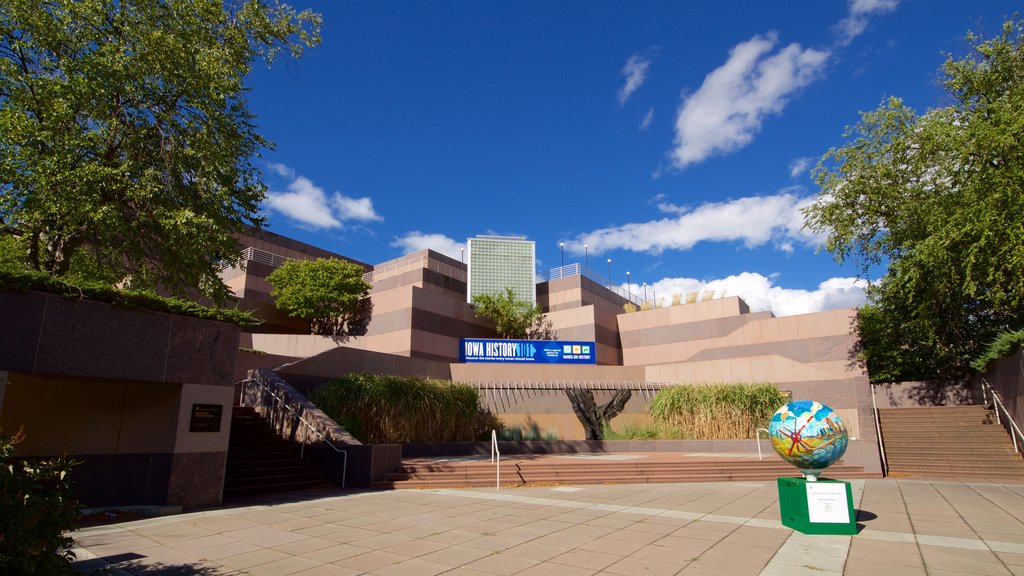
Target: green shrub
[
  {"x": 1003, "y": 345},
  {"x": 37, "y": 509},
  {"x": 716, "y": 411},
  {"x": 397, "y": 409}
]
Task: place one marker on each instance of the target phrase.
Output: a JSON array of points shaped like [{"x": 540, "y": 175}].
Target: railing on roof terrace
[
  {"x": 397, "y": 267},
  {"x": 263, "y": 257},
  {"x": 576, "y": 269}
]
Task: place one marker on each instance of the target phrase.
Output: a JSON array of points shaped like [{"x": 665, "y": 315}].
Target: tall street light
[
  {"x": 609, "y": 271},
  {"x": 645, "y": 291},
  {"x": 628, "y": 291},
  {"x": 462, "y": 255},
  {"x": 561, "y": 248},
  {"x": 586, "y": 256}
]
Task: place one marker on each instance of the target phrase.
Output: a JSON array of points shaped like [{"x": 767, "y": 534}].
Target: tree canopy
[
  {"x": 939, "y": 198},
  {"x": 514, "y": 317},
  {"x": 125, "y": 134},
  {"x": 329, "y": 292}
]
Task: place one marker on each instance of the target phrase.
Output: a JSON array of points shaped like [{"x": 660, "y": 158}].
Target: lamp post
[
  {"x": 654, "y": 294},
  {"x": 628, "y": 291},
  {"x": 462, "y": 255},
  {"x": 609, "y": 272},
  {"x": 645, "y": 291},
  {"x": 561, "y": 249},
  {"x": 586, "y": 257}
]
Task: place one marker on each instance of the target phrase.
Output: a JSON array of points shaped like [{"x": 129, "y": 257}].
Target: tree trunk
[{"x": 590, "y": 415}]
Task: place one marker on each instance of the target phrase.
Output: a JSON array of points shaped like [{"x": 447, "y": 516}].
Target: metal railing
[
  {"x": 309, "y": 426},
  {"x": 758, "y": 434},
  {"x": 263, "y": 257},
  {"x": 575, "y": 269},
  {"x": 878, "y": 432},
  {"x": 997, "y": 403},
  {"x": 496, "y": 459},
  {"x": 397, "y": 267}
]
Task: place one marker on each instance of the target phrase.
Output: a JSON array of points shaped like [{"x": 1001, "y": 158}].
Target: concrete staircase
[
  {"x": 957, "y": 442},
  {"x": 261, "y": 462},
  {"x": 598, "y": 469}
]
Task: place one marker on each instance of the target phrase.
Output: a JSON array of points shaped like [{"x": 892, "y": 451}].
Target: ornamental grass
[
  {"x": 715, "y": 411},
  {"x": 382, "y": 409}
]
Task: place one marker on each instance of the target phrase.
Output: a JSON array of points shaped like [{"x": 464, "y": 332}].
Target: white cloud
[
  {"x": 281, "y": 170},
  {"x": 726, "y": 112},
  {"x": 754, "y": 221},
  {"x": 635, "y": 72},
  {"x": 799, "y": 165},
  {"x": 763, "y": 294},
  {"x": 308, "y": 205},
  {"x": 415, "y": 241},
  {"x": 354, "y": 208},
  {"x": 648, "y": 118},
  {"x": 856, "y": 20}
]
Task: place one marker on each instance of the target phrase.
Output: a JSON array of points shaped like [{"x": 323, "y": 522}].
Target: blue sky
[{"x": 674, "y": 138}]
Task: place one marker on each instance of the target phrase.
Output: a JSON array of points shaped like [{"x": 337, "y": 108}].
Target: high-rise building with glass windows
[{"x": 499, "y": 262}]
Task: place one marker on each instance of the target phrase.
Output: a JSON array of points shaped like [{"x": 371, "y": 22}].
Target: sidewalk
[{"x": 910, "y": 527}]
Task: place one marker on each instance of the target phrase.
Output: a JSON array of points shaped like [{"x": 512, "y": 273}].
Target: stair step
[
  {"x": 948, "y": 442},
  {"x": 261, "y": 462}
]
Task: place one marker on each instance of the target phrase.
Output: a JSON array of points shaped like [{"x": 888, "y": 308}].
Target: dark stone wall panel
[
  {"x": 197, "y": 479},
  {"x": 121, "y": 479},
  {"x": 93, "y": 339},
  {"x": 22, "y": 315},
  {"x": 201, "y": 351}
]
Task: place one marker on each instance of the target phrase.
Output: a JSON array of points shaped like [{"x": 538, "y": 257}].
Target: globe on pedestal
[{"x": 808, "y": 435}]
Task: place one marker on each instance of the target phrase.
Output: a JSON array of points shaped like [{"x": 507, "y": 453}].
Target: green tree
[
  {"x": 125, "y": 132},
  {"x": 329, "y": 292},
  {"x": 936, "y": 197},
  {"x": 514, "y": 317}
]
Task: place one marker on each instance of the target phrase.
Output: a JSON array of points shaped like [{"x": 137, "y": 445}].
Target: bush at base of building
[
  {"x": 382, "y": 409},
  {"x": 37, "y": 509},
  {"x": 715, "y": 411}
]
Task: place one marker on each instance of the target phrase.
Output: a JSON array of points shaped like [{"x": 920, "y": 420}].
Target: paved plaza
[{"x": 909, "y": 527}]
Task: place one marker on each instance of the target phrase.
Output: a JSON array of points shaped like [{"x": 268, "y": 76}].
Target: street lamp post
[
  {"x": 609, "y": 272},
  {"x": 561, "y": 249},
  {"x": 645, "y": 291},
  {"x": 628, "y": 291},
  {"x": 654, "y": 294},
  {"x": 586, "y": 257},
  {"x": 462, "y": 255}
]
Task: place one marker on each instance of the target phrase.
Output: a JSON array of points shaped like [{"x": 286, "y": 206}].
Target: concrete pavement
[{"x": 910, "y": 527}]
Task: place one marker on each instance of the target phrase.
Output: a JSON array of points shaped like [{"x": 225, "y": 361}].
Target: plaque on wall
[{"x": 205, "y": 418}]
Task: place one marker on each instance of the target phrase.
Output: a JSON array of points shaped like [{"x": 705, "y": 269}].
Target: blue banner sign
[{"x": 527, "y": 351}]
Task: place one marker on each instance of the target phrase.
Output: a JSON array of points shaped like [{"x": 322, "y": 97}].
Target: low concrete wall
[
  {"x": 1006, "y": 376},
  {"x": 926, "y": 393}
]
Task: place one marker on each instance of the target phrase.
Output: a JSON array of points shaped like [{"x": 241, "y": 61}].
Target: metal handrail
[
  {"x": 497, "y": 463},
  {"x": 302, "y": 449},
  {"x": 878, "y": 432},
  {"x": 758, "y": 434},
  {"x": 998, "y": 404}
]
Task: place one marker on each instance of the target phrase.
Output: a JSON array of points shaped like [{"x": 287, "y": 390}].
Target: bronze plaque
[{"x": 205, "y": 418}]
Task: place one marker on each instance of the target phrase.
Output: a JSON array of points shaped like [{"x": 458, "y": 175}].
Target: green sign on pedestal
[{"x": 820, "y": 507}]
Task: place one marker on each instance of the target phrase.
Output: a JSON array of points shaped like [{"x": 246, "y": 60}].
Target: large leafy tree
[
  {"x": 125, "y": 134},
  {"x": 329, "y": 292},
  {"x": 939, "y": 198},
  {"x": 513, "y": 316}
]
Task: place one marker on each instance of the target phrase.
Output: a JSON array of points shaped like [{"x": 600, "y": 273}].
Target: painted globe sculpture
[{"x": 808, "y": 435}]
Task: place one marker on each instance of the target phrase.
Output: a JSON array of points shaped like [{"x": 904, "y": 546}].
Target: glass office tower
[{"x": 499, "y": 262}]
